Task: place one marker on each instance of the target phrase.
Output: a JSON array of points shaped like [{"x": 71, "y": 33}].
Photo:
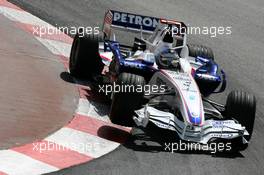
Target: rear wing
[{"x": 134, "y": 22}]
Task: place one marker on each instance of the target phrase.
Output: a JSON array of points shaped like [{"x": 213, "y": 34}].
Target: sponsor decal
[
  {"x": 194, "y": 114},
  {"x": 207, "y": 77},
  {"x": 221, "y": 124},
  {"x": 222, "y": 135},
  {"x": 133, "y": 65},
  {"x": 134, "y": 21},
  {"x": 179, "y": 76}
]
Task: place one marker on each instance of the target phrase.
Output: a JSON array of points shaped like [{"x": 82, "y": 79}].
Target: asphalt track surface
[{"x": 239, "y": 54}]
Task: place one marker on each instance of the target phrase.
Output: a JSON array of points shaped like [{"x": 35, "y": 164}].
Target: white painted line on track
[
  {"x": 12, "y": 162},
  {"x": 22, "y": 16},
  {"x": 56, "y": 47}
]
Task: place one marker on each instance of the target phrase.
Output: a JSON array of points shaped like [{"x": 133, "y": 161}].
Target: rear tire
[
  {"x": 201, "y": 51},
  {"x": 124, "y": 103},
  {"x": 242, "y": 107},
  {"x": 84, "y": 58}
]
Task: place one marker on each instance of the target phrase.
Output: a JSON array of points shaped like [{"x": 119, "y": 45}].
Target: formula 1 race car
[{"x": 162, "y": 80}]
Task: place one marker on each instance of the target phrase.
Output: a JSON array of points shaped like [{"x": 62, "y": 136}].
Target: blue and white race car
[{"x": 161, "y": 79}]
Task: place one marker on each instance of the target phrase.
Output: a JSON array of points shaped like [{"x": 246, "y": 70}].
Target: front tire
[
  {"x": 84, "y": 58},
  {"x": 200, "y": 51},
  {"x": 242, "y": 107},
  {"x": 124, "y": 102}
]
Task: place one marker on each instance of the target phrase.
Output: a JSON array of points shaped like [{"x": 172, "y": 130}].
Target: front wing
[{"x": 211, "y": 129}]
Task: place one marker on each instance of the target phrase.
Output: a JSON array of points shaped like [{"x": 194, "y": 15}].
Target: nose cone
[{"x": 195, "y": 119}]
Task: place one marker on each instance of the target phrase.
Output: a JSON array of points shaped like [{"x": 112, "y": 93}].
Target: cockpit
[{"x": 162, "y": 48}]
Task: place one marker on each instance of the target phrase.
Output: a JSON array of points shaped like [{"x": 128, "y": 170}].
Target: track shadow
[
  {"x": 66, "y": 76},
  {"x": 113, "y": 134}
]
